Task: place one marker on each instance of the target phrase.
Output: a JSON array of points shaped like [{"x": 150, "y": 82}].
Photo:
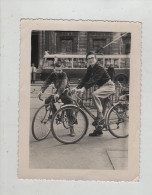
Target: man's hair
[{"x": 90, "y": 53}]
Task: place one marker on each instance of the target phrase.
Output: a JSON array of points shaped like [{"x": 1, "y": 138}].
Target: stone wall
[{"x": 82, "y": 42}]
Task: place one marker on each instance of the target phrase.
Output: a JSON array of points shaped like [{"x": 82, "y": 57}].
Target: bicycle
[
  {"x": 116, "y": 120},
  {"x": 41, "y": 123}
]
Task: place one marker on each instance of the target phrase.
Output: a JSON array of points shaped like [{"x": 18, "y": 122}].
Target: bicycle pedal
[
  {"x": 104, "y": 128},
  {"x": 100, "y": 125}
]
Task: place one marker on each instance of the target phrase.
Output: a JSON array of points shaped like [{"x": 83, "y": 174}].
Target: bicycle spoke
[
  {"x": 118, "y": 121},
  {"x": 41, "y": 124},
  {"x": 69, "y": 125}
]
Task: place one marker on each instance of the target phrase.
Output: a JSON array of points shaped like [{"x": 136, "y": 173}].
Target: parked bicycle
[{"x": 116, "y": 120}]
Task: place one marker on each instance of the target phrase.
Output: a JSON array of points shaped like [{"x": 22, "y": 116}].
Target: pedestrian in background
[
  {"x": 33, "y": 73},
  {"x": 111, "y": 72}
]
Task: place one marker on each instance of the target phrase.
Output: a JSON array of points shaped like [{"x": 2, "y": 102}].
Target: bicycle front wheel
[
  {"x": 69, "y": 124},
  {"x": 117, "y": 120},
  {"x": 41, "y": 124}
]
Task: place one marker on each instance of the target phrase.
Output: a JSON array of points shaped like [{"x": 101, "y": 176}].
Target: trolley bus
[{"x": 75, "y": 65}]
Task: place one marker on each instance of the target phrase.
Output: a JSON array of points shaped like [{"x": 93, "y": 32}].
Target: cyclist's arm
[
  {"x": 85, "y": 78},
  {"x": 47, "y": 82},
  {"x": 63, "y": 84}
]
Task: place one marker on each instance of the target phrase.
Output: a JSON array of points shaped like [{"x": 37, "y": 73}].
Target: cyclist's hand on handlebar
[
  {"x": 56, "y": 97},
  {"x": 74, "y": 90},
  {"x": 81, "y": 91},
  {"x": 39, "y": 95}
]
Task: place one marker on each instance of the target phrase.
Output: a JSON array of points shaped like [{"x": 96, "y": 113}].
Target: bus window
[
  {"x": 69, "y": 63},
  {"x": 79, "y": 63},
  {"x": 125, "y": 63},
  {"x": 116, "y": 63},
  {"x": 75, "y": 63},
  {"x": 66, "y": 62},
  {"x": 107, "y": 63},
  {"x": 48, "y": 62}
]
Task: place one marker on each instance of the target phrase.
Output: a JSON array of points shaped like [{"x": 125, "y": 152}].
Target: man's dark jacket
[
  {"x": 111, "y": 72},
  {"x": 60, "y": 81},
  {"x": 94, "y": 75}
]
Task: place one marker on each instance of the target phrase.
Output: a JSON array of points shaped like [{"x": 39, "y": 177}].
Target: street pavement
[{"x": 104, "y": 152}]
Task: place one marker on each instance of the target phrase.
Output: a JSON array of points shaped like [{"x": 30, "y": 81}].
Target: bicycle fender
[{"x": 69, "y": 105}]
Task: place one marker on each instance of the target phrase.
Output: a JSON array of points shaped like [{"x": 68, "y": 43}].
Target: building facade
[{"x": 74, "y": 42}]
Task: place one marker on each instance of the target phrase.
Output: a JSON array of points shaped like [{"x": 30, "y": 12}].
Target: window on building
[
  {"x": 66, "y": 42},
  {"x": 66, "y": 46},
  {"x": 98, "y": 44}
]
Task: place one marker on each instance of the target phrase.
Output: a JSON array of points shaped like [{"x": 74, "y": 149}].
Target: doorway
[{"x": 34, "y": 48}]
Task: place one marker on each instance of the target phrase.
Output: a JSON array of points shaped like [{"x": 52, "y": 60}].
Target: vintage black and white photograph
[{"x": 79, "y": 90}]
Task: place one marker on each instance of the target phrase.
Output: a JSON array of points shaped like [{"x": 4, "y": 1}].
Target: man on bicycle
[
  {"x": 60, "y": 81},
  {"x": 96, "y": 75}
]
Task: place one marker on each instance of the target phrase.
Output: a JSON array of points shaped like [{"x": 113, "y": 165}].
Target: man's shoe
[
  {"x": 94, "y": 122},
  {"x": 75, "y": 122},
  {"x": 98, "y": 121},
  {"x": 72, "y": 133},
  {"x": 96, "y": 133}
]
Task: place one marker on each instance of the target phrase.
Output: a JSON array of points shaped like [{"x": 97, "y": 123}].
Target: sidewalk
[{"x": 104, "y": 152}]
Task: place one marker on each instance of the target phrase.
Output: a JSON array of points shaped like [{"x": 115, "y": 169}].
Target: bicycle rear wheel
[
  {"x": 69, "y": 124},
  {"x": 117, "y": 120},
  {"x": 41, "y": 124}
]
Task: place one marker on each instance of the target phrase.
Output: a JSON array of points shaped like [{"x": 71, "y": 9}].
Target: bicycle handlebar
[
  {"x": 69, "y": 92},
  {"x": 40, "y": 98}
]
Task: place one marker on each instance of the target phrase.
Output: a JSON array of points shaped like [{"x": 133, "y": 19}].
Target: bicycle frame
[
  {"x": 88, "y": 111},
  {"x": 80, "y": 104}
]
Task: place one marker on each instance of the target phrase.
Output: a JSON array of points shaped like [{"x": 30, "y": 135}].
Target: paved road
[{"x": 105, "y": 152}]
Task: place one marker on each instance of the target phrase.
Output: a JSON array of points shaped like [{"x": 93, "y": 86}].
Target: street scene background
[{"x": 104, "y": 152}]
